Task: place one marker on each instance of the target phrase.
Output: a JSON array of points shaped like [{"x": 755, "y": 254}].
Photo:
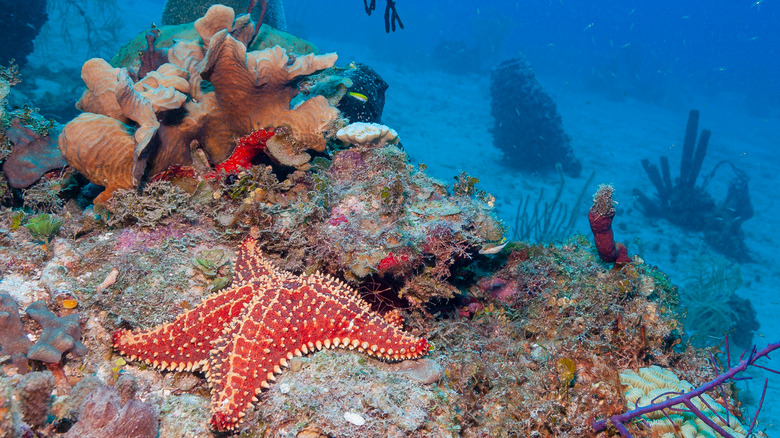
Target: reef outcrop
[{"x": 211, "y": 91}]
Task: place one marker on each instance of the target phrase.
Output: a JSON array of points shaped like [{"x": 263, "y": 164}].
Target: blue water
[{"x": 680, "y": 47}]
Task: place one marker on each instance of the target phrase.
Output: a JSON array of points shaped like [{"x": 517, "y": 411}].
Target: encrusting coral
[
  {"x": 367, "y": 134},
  {"x": 171, "y": 109},
  {"x": 60, "y": 335},
  {"x": 33, "y": 155}
]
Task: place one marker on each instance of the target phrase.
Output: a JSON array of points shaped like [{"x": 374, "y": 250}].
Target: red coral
[
  {"x": 246, "y": 149},
  {"x": 600, "y": 217},
  {"x": 338, "y": 220},
  {"x": 391, "y": 262}
]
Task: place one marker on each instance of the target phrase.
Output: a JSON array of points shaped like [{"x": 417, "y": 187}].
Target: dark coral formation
[
  {"x": 365, "y": 99},
  {"x": 34, "y": 394},
  {"x": 687, "y": 204},
  {"x": 528, "y": 128},
  {"x": 21, "y": 22}
]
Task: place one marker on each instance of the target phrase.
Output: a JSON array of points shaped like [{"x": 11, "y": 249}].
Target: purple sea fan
[{"x": 687, "y": 398}]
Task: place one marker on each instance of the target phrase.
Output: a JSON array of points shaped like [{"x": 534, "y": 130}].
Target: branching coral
[
  {"x": 171, "y": 107},
  {"x": 680, "y": 397},
  {"x": 690, "y": 206}
]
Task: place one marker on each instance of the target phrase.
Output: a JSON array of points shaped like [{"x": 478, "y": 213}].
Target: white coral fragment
[{"x": 368, "y": 134}]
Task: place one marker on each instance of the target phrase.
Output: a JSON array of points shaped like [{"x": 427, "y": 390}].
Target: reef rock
[
  {"x": 211, "y": 91},
  {"x": 33, "y": 155}
]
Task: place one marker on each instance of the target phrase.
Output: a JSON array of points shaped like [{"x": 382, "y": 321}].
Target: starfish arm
[
  {"x": 184, "y": 343},
  {"x": 290, "y": 317},
  {"x": 250, "y": 263}
]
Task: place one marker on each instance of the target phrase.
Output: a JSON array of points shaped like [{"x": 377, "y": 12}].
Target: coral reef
[
  {"x": 369, "y": 213},
  {"x": 251, "y": 90},
  {"x": 528, "y": 128},
  {"x": 209, "y": 144},
  {"x": 553, "y": 325},
  {"x": 690, "y": 206}
]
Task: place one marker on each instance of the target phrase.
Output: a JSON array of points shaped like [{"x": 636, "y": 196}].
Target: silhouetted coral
[
  {"x": 21, "y": 22},
  {"x": 528, "y": 128},
  {"x": 690, "y": 206}
]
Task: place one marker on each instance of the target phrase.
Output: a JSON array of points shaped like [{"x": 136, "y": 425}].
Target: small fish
[
  {"x": 358, "y": 96},
  {"x": 589, "y": 26},
  {"x": 494, "y": 248}
]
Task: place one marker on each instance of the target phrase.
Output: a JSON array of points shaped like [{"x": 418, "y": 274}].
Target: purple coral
[
  {"x": 13, "y": 339},
  {"x": 60, "y": 334},
  {"x": 686, "y": 398}
]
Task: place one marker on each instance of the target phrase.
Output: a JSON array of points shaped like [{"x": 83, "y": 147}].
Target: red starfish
[{"x": 243, "y": 336}]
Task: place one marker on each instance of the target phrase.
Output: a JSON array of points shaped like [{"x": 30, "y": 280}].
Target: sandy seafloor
[{"x": 444, "y": 121}]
